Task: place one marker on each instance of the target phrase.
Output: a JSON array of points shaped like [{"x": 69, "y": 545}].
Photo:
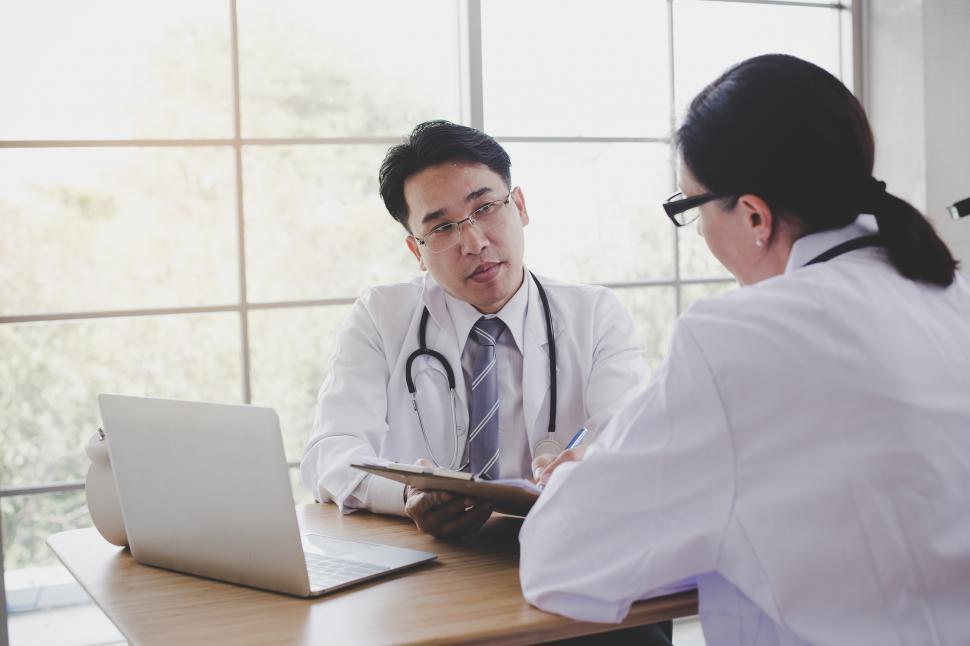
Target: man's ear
[
  {"x": 519, "y": 198},
  {"x": 415, "y": 249},
  {"x": 757, "y": 217}
]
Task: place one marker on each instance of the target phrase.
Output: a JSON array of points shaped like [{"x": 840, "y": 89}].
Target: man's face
[{"x": 485, "y": 267}]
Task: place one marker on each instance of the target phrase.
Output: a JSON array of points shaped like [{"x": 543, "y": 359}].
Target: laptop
[{"x": 205, "y": 490}]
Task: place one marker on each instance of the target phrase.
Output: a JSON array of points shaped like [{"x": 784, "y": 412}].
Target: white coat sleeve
[
  {"x": 646, "y": 510},
  {"x": 350, "y": 421},
  {"x": 618, "y": 366}
]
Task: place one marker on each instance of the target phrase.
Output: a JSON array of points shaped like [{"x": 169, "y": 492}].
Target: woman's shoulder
[
  {"x": 785, "y": 290},
  {"x": 777, "y": 309}
]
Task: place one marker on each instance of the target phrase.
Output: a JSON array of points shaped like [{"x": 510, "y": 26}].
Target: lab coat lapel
[{"x": 535, "y": 366}]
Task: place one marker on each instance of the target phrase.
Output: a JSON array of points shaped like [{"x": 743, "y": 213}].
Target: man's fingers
[
  {"x": 443, "y": 513},
  {"x": 430, "y": 510},
  {"x": 426, "y": 501},
  {"x": 467, "y": 522}
]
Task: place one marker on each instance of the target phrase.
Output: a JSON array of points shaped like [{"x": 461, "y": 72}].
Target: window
[{"x": 189, "y": 199}]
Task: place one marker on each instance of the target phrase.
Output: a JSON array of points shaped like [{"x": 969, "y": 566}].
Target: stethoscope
[{"x": 549, "y": 445}]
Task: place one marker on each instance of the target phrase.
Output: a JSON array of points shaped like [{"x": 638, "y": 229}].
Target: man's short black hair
[{"x": 432, "y": 143}]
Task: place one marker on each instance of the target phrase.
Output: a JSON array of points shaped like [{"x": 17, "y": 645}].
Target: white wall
[
  {"x": 918, "y": 99},
  {"x": 946, "y": 43}
]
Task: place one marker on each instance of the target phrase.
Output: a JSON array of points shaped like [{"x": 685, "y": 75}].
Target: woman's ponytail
[{"x": 914, "y": 248}]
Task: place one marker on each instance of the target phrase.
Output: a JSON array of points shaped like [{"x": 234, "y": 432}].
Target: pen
[{"x": 577, "y": 438}]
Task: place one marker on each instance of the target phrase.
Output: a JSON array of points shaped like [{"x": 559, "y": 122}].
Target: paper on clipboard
[{"x": 514, "y": 497}]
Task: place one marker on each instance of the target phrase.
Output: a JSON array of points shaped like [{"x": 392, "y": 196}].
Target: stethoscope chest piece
[{"x": 546, "y": 446}]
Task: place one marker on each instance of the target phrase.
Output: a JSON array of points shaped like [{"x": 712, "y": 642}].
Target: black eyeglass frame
[{"x": 674, "y": 206}]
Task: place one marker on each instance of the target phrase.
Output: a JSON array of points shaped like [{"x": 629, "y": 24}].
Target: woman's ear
[{"x": 757, "y": 217}]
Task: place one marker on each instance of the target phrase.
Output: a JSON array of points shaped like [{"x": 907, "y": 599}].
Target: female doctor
[{"x": 802, "y": 456}]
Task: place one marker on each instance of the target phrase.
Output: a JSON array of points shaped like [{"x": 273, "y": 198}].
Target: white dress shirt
[
  {"x": 515, "y": 455},
  {"x": 802, "y": 457}
]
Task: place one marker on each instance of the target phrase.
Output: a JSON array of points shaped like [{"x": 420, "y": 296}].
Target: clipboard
[{"x": 514, "y": 497}]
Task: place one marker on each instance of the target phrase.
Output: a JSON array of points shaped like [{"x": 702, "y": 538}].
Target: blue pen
[{"x": 577, "y": 438}]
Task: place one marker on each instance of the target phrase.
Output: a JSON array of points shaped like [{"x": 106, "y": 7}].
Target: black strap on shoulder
[{"x": 849, "y": 245}]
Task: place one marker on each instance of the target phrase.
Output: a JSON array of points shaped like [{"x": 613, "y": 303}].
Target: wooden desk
[{"x": 469, "y": 594}]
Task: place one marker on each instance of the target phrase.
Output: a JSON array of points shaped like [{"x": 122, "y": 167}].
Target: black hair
[
  {"x": 432, "y": 143},
  {"x": 790, "y": 132}
]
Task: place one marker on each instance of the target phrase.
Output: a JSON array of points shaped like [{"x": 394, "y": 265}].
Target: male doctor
[{"x": 450, "y": 187}]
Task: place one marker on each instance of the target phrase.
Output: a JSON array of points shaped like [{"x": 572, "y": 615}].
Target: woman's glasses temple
[{"x": 677, "y": 204}]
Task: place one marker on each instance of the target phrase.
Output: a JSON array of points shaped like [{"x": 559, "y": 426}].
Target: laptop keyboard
[{"x": 327, "y": 571}]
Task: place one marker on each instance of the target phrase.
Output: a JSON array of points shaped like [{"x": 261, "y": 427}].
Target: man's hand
[
  {"x": 544, "y": 465},
  {"x": 445, "y": 514}
]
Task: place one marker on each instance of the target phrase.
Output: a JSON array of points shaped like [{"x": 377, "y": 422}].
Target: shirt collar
[
  {"x": 807, "y": 247},
  {"x": 464, "y": 315}
]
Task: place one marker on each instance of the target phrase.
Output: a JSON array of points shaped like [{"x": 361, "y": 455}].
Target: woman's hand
[{"x": 544, "y": 465}]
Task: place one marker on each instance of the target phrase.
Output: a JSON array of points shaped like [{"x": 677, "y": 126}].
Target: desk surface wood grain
[{"x": 470, "y": 594}]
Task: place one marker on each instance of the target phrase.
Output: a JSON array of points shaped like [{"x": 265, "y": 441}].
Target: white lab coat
[
  {"x": 803, "y": 457},
  {"x": 364, "y": 408}
]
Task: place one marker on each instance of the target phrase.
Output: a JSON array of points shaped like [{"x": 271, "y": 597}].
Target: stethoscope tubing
[{"x": 423, "y": 350}]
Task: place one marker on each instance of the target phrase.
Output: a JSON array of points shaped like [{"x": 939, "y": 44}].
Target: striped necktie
[{"x": 483, "y": 449}]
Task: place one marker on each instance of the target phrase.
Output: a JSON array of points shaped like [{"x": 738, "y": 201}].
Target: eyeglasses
[
  {"x": 683, "y": 210},
  {"x": 448, "y": 234}
]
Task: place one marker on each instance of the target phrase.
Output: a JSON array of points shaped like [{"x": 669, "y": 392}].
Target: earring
[{"x": 758, "y": 242}]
